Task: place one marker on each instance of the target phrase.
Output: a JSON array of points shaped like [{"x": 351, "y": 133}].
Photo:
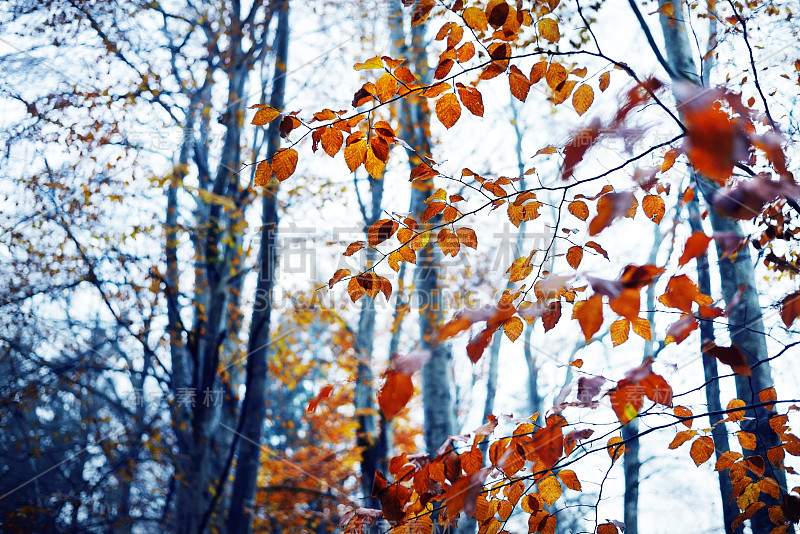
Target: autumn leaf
[
  {"x": 653, "y": 206},
  {"x": 681, "y": 438},
  {"x": 702, "y": 449},
  {"x": 519, "y": 83},
  {"x": 397, "y": 390},
  {"x": 538, "y": 72},
  {"x": 589, "y": 314},
  {"x": 610, "y": 207},
  {"x": 284, "y": 163},
  {"x": 471, "y": 98},
  {"x": 512, "y": 328},
  {"x": 475, "y": 19},
  {"x": 607, "y": 528},
  {"x": 582, "y": 98},
  {"x": 264, "y": 115},
  {"x": 324, "y": 393},
  {"x": 381, "y": 230},
  {"x": 732, "y": 356},
  {"x": 570, "y": 479},
  {"x": 556, "y": 74},
  {"x": 620, "y": 330},
  {"x": 574, "y": 256},
  {"x": 615, "y": 447},
  {"x": 263, "y": 174},
  {"x": 338, "y": 276},
  {"x": 579, "y": 209},
  {"x": 448, "y": 110},
  {"x": 467, "y": 237},
  {"x": 549, "y": 489},
  {"x": 790, "y": 308},
  {"x": 768, "y": 395},
  {"x": 695, "y": 246},
  {"x": 372, "y": 63},
  {"x": 605, "y": 80},
  {"x": 548, "y": 29},
  {"x": 332, "y": 140}
]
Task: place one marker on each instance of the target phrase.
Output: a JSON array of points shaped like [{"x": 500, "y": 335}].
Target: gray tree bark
[
  {"x": 253, "y": 410},
  {"x": 745, "y": 322}
]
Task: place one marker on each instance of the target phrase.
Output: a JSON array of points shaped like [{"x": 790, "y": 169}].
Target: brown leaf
[
  {"x": 605, "y": 80},
  {"x": 518, "y": 83},
  {"x": 263, "y": 174},
  {"x": 471, "y": 98},
  {"x": 732, "y": 356},
  {"x": 381, "y": 230},
  {"x": 790, "y": 308}
]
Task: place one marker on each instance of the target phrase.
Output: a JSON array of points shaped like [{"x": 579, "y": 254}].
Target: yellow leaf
[
  {"x": 605, "y": 79},
  {"x": 582, "y": 98},
  {"x": 615, "y": 448},
  {"x": 386, "y": 87},
  {"x": 264, "y": 115},
  {"x": 512, "y": 328},
  {"x": 549, "y": 489},
  {"x": 681, "y": 438},
  {"x": 548, "y": 29},
  {"x": 620, "y": 330},
  {"x": 373, "y": 63},
  {"x": 475, "y": 18}
]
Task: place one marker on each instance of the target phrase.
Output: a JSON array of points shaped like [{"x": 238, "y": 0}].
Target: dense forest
[{"x": 399, "y": 266}]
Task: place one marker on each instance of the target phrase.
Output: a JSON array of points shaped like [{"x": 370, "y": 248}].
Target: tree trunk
[
  {"x": 745, "y": 322},
  {"x": 253, "y": 410}
]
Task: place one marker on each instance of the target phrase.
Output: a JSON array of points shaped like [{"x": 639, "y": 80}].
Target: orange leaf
[
  {"x": 620, "y": 330},
  {"x": 589, "y": 314},
  {"x": 397, "y": 390},
  {"x": 768, "y": 395},
  {"x": 669, "y": 159},
  {"x": 737, "y": 415},
  {"x": 574, "y": 256},
  {"x": 605, "y": 80},
  {"x": 549, "y": 489},
  {"x": 556, "y": 74},
  {"x": 448, "y": 110},
  {"x": 355, "y": 153},
  {"x": 448, "y": 242},
  {"x": 626, "y": 400},
  {"x": 264, "y": 116},
  {"x": 467, "y": 237},
  {"x": 653, "y": 206},
  {"x": 682, "y": 411},
  {"x": 609, "y": 208},
  {"x": 695, "y": 246},
  {"x": 579, "y": 209},
  {"x": 746, "y": 440},
  {"x": 681, "y": 293},
  {"x": 702, "y": 449},
  {"x": 354, "y": 247},
  {"x": 386, "y": 87},
  {"x": 607, "y": 528},
  {"x": 512, "y": 328},
  {"x": 355, "y": 289},
  {"x": 681, "y": 438},
  {"x": 284, "y": 163},
  {"x": 726, "y": 460},
  {"x": 263, "y": 173},
  {"x": 324, "y": 393},
  {"x": 332, "y": 140},
  {"x": 548, "y": 442},
  {"x": 338, "y": 276},
  {"x": 582, "y": 98},
  {"x": 615, "y": 448},
  {"x": 373, "y": 63},
  {"x": 538, "y": 71}
]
